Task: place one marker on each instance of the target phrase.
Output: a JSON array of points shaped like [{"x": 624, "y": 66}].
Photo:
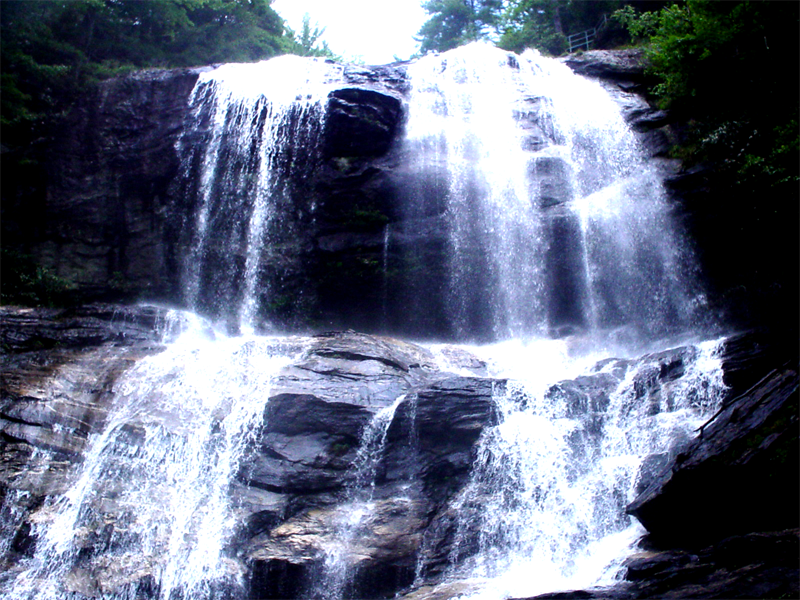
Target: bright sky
[{"x": 374, "y": 31}]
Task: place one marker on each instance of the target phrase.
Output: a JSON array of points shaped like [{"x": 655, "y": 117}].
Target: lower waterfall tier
[{"x": 146, "y": 455}]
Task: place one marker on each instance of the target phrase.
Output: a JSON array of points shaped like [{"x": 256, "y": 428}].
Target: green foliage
[
  {"x": 365, "y": 219},
  {"x": 15, "y": 104},
  {"x": 52, "y": 50},
  {"x": 28, "y": 284},
  {"x": 305, "y": 42},
  {"x": 731, "y": 68},
  {"x": 640, "y": 25},
  {"x": 533, "y": 24},
  {"x": 456, "y": 22}
]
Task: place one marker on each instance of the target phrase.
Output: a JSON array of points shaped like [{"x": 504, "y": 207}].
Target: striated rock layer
[
  {"x": 62, "y": 371},
  {"x": 721, "y": 510}
]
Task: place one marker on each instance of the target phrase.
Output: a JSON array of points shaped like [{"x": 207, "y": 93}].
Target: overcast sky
[{"x": 374, "y": 31}]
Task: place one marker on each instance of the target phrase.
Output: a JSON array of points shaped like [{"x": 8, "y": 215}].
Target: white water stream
[
  {"x": 550, "y": 485},
  {"x": 557, "y": 220},
  {"x": 261, "y": 124},
  {"x": 158, "y": 475}
]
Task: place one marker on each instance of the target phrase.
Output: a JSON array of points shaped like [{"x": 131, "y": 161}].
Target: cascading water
[
  {"x": 261, "y": 125},
  {"x": 158, "y": 476},
  {"x": 555, "y": 225},
  {"x": 339, "y": 563},
  {"x": 556, "y": 221},
  {"x": 545, "y": 505},
  {"x": 161, "y": 470}
]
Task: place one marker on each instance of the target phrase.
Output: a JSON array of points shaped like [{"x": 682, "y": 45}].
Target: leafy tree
[
  {"x": 731, "y": 68},
  {"x": 728, "y": 72},
  {"x": 52, "y": 50},
  {"x": 534, "y": 24},
  {"x": 456, "y": 22},
  {"x": 306, "y": 41}
]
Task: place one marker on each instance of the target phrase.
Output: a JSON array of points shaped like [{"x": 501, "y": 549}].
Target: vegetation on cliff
[
  {"x": 727, "y": 72},
  {"x": 516, "y": 24}
]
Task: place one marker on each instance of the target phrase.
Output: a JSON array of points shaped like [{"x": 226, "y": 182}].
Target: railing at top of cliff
[{"x": 584, "y": 39}]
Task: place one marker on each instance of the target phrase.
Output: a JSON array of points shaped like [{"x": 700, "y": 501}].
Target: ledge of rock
[{"x": 617, "y": 65}]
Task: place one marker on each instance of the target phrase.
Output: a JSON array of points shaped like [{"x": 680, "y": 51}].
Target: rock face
[
  {"x": 742, "y": 466},
  {"x": 101, "y": 218},
  {"x": 61, "y": 374},
  {"x": 622, "y": 73},
  {"x": 379, "y": 426},
  {"x": 109, "y": 216},
  {"x": 756, "y": 565},
  {"x": 722, "y": 513},
  {"x": 112, "y": 217},
  {"x": 111, "y": 220}
]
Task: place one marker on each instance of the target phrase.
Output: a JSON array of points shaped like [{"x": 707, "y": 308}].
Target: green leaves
[
  {"x": 732, "y": 68},
  {"x": 52, "y": 50},
  {"x": 156, "y": 33},
  {"x": 304, "y": 43},
  {"x": 534, "y": 24}
]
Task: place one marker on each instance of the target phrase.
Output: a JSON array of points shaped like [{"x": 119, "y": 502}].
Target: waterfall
[
  {"x": 546, "y": 501},
  {"x": 253, "y": 130},
  {"x": 157, "y": 477},
  {"x": 556, "y": 221},
  {"x": 559, "y": 257},
  {"x": 339, "y": 561}
]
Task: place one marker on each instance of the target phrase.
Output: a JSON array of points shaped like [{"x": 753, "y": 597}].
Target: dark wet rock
[
  {"x": 108, "y": 219},
  {"x": 297, "y": 480},
  {"x": 383, "y": 77},
  {"x": 743, "y": 466},
  {"x": 428, "y": 452},
  {"x": 360, "y": 122},
  {"x": 435, "y": 430},
  {"x": 552, "y": 181},
  {"x": 26, "y": 329},
  {"x": 297, "y": 484},
  {"x": 59, "y": 366},
  {"x": 99, "y": 219},
  {"x": 756, "y": 565}
]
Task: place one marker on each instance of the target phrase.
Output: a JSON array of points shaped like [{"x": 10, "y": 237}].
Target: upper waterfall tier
[
  {"x": 513, "y": 200},
  {"x": 263, "y": 132},
  {"x": 555, "y": 220}
]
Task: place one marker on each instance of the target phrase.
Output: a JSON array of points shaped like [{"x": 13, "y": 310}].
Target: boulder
[{"x": 360, "y": 122}]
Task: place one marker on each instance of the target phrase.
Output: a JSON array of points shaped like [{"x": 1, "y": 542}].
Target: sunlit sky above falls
[{"x": 372, "y": 31}]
